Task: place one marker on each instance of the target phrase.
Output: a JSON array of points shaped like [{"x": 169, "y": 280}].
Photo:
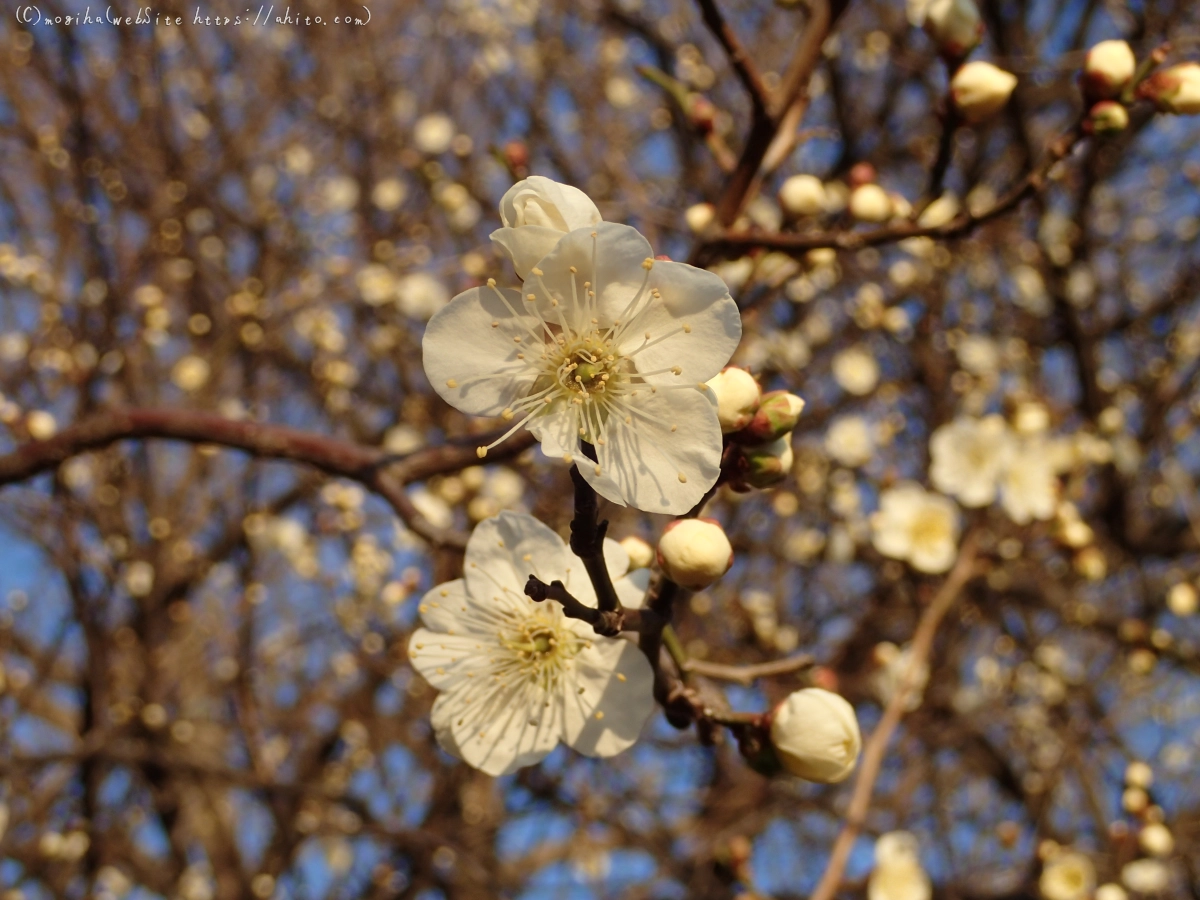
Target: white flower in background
[
  {"x": 941, "y": 211},
  {"x": 916, "y": 526},
  {"x": 190, "y": 373},
  {"x": 1146, "y": 876},
  {"x": 1111, "y": 891},
  {"x": 850, "y": 441},
  {"x": 41, "y": 424},
  {"x": 969, "y": 457},
  {"x": 1029, "y": 486},
  {"x": 1067, "y": 876},
  {"x": 815, "y": 735},
  {"x": 856, "y": 371},
  {"x": 517, "y": 677},
  {"x": 420, "y": 295},
  {"x": 605, "y": 346},
  {"x": 641, "y": 554},
  {"x": 894, "y": 663},
  {"x": 898, "y": 874},
  {"x": 433, "y": 133},
  {"x": 1139, "y": 774},
  {"x": 980, "y": 90},
  {"x": 536, "y": 213}
]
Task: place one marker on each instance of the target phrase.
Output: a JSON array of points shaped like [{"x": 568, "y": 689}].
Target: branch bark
[
  {"x": 876, "y": 746},
  {"x": 370, "y": 466}
]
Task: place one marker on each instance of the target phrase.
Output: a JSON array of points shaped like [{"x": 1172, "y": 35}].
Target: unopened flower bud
[
  {"x": 701, "y": 113},
  {"x": 955, "y": 26},
  {"x": 861, "y": 173},
  {"x": 694, "y": 552},
  {"x": 641, "y": 554},
  {"x": 1156, "y": 839},
  {"x": 1107, "y": 70},
  {"x": 516, "y": 154},
  {"x": 1106, "y": 117},
  {"x": 802, "y": 195},
  {"x": 737, "y": 396},
  {"x": 767, "y": 464},
  {"x": 870, "y": 203},
  {"x": 979, "y": 90},
  {"x": 700, "y": 217},
  {"x": 1174, "y": 90},
  {"x": 778, "y": 413},
  {"x": 815, "y": 735}
]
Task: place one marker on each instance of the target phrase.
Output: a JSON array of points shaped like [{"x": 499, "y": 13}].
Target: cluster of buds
[
  {"x": 1175, "y": 89},
  {"x": 1108, "y": 71},
  {"x": 978, "y": 90},
  {"x": 758, "y": 426}
]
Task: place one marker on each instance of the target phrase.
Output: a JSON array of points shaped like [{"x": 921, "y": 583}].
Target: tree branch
[
  {"x": 743, "y": 64},
  {"x": 876, "y": 746},
  {"x": 735, "y": 244},
  {"x": 370, "y": 466},
  {"x": 587, "y": 540}
]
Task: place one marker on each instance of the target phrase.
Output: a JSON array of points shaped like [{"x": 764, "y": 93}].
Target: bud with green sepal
[
  {"x": 777, "y": 414},
  {"x": 763, "y": 465}
]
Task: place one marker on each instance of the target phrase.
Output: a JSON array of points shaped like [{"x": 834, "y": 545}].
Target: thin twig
[
  {"x": 749, "y": 673},
  {"x": 743, "y": 64},
  {"x": 876, "y": 746}
]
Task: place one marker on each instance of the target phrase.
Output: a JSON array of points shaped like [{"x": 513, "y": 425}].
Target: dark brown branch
[
  {"x": 763, "y": 129},
  {"x": 743, "y": 64},
  {"x": 735, "y": 244},
  {"x": 607, "y": 623},
  {"x": 368, "y": 465},
  {"x": 587, "y": 540}
]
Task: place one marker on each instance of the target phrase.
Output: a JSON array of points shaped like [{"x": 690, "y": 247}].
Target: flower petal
[
  {"x": 631, "y": 590},
  {"x": 444, "y": 660},
  {"x": 610, "y": 263},
  {"x": 471, "y": 364},
  {"x": 642, "y": 459},
  {"x": 496, "y": 728},
  {"x": 557, "y": 429},
  {"x": 505, "y": 550},
  {"x": 617, "y": 698},
  {"x": 693, "y": 297},
  {"x": 526, "y": 245}
]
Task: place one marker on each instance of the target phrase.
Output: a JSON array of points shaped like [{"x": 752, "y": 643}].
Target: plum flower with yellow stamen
[
  {"x": 605, "y": 346},
  {"x": 517, "y": 677}
]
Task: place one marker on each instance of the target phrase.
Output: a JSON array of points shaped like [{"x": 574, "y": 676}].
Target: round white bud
[
  {"x": 700, "y": 217},
  {"x": 802, "y": 195},
  {"x": 1156, "y": 839},
  {"x": 1107, "y": 69},
  {"x": 980, "y": 90},
  {"x": 815, "y": 735},
  {"x": 871, "y": 203},
  {"x": 694, "y": 552},
  {"x": 641, "y": 554},
  {"x": 737, "y": 396}
]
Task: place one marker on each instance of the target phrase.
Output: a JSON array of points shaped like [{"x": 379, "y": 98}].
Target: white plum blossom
[
  {"x": 916, "y": 526},
  {"x": 1029, "y": 486},
  {"x": 605, "y": 346},
  {"x": 979, "y": 90},
  {"x": 516, "y": 677},
  {"x": 1067, "y": 876},
  {"x": 816, "y": 736},
  {"x": 898, "y": 874},
  {"x": 969, "y": 458},
  {"x": 850, "y": 441},
  {"x": 536, "y": 213}
]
